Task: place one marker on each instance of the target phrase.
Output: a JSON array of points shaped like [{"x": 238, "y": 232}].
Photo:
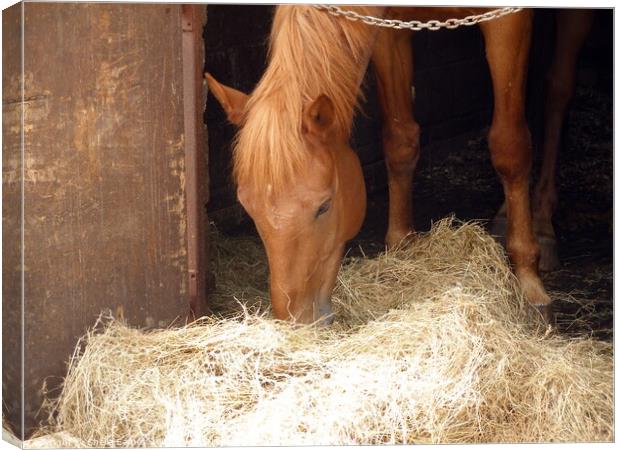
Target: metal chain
[{"x": 416, "y": 25}]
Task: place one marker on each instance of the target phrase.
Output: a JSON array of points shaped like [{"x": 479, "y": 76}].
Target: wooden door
[{"x": 100, "y": 159}]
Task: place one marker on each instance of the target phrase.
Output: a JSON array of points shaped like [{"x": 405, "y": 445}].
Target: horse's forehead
[
  {"x": 299, "y": 193},
  {"x": 280, "y": 201},
  {"x": 315, "y": 175},
  {"x": 321, "y": 166},
  {"x": 283, "y": 209}
]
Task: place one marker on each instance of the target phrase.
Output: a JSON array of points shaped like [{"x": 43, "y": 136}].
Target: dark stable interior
[{"x": 454, "y": 174}]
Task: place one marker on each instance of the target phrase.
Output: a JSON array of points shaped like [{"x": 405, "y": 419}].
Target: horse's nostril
[{"x": 327, "y": 320}]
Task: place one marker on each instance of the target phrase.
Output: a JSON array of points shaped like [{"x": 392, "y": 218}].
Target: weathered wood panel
[
  {"x": 105, "y": 207},
  {"x": 11, "y": 214}
]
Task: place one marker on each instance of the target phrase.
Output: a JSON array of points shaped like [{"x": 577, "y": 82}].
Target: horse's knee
[
  {"x": 511, "y": 151},
  {"x": 401, "y": 146}
]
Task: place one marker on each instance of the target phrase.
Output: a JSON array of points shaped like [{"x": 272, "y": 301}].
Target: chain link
[{"x": 416, "y": 25}]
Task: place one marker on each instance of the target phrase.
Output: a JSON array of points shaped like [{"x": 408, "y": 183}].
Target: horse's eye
[{"x": 323, "y": 208}]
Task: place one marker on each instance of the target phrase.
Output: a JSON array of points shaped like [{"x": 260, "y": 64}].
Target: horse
[
  {"x": 572, "y": 29},
  {"x": 301, "y": 182}
]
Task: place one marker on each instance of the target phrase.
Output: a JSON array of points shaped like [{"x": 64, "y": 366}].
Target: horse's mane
[{"x": 310, "y": 53}]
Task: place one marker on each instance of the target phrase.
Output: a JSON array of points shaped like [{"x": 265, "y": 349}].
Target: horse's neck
[{"x": 314, "y": 53}]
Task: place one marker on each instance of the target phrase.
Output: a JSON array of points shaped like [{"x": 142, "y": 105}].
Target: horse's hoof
[
  {"x": 549, "y": 260},
  {"x": 546, "y": 312}
]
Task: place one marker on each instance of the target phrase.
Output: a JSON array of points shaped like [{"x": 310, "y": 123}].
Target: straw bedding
[{"x": 431, "y": 343}]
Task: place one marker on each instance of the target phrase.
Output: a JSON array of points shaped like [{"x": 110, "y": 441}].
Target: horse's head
[{"x": 304, "y": 222}]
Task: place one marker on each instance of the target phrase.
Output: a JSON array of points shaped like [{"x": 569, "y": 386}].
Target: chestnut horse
[{"x": 302, "y": 184}]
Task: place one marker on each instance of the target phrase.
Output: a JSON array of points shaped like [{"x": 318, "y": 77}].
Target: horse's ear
[
  {"x": 318, "y": 118},
  {"x": 232, "y": 100}
]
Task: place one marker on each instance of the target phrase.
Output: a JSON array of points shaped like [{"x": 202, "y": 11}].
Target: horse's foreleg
[
  {"x": 571, "y": 31},
  {"x": 507, "y": 46},
  {"x": 392, "y": 61}
]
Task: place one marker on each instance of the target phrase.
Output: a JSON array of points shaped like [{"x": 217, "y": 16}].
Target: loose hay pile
[{"x": 431, "y": 344}]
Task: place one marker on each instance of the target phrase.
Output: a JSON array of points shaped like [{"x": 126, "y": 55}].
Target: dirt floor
[{"x": 458, "y": 178}]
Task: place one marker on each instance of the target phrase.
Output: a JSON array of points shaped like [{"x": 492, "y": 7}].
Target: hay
[{"x": 431, "y": 344}]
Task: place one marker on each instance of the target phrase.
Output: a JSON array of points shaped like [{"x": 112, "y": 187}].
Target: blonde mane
[{"x": 311, "y": 53}]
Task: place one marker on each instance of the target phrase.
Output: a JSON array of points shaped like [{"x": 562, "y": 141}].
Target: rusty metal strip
[{"x": 188, "y": 18}]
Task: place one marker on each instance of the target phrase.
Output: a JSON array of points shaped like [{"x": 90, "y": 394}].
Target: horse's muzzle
[{"x": 323, "y": 314}]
